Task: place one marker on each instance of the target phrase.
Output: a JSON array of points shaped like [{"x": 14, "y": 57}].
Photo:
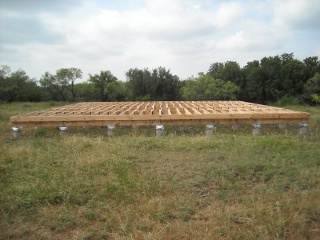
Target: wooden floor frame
[{"x": 162, "y": 112}]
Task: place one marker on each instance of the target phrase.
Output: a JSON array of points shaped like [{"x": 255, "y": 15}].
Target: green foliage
[
  {"x": 270, "y": 78},
  {"x": 293, "y": 77},
  {"x": 315, "y": 98},
  {"x": 116, "y": 91},
  {"x": 215, "y": 70},
  {"x": 17, "y": 86},
  {"x": 157, "y": 84},
  {"x": 287, "y": 100},
  {"x": 262, "y": 81},
  {"x": 229, "y": 72},
  {"x": 67, "y": 77},
  {"x": 312, "y": 88},
  {"x": 101, "y": 84},
  {"x": 312, "y": 66},
  {"x": 61, "y": 86},
  {"x": 205, "y": 87},
  {"x": 85, "y": 92}
]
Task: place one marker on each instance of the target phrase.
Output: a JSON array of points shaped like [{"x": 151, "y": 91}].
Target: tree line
[{"x": 272, "y": 79}]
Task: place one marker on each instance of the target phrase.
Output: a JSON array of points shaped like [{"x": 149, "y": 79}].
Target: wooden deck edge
[
  {"x": 155, "y": 122},
  {"x": 20, "y": 119}
]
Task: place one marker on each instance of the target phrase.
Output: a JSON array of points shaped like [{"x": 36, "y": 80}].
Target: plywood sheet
[{"x": 165, "y": 112}]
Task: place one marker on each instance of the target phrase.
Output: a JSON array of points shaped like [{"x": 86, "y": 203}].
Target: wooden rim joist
[{"x": 163, "y": 112}]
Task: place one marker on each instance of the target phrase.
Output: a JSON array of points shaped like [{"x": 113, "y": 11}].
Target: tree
[
  {"x": 157, "y": 84},
  {"x": 4, "y": 72},
  {"x": 86, "y": 92},
  {"x": 316, "y": 98},
  {"x": 58, "y": 90},
  {"x": 256, "y": 82},
  {"x": 286, "y": 58},
  {"x": 293, "y": 78},
  {"x": 205, "y": 87},
  {"x": 116, "y": 91},
  {"x": 312, "y": 66},
  {"x": 67, "y": 77},
  {"x": 167, "y": 85},
  {"x": 273, "y": 78},
  {"x": 17, "y": 86},
  {"x": 101, "y": 82},
  {"x": 215, "y": 70},
  {"x": 61, "y": 85},
  {"x": 32, "y": 92},
  {"x": 311, "y": 88},
  {"x": 229, "y": 71},
  {"x": 4, "y": 83},
  {"x": 262, "y": 79},
  {"x": 232, "y": 72},
  {"x": 139, "y": 83}
]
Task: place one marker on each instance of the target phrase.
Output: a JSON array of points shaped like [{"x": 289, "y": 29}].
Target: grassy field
[{"x": 180, "y": 186}]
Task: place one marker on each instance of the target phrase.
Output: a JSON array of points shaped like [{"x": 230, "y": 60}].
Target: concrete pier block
[
  {"x": 16, "y": 130},
  {"x": 282, "y": 126},
  {"x": 159, "y": 130},
  {"x": 63, "y": 131},
  {"x": 111, "y": 129},
  {"x": 209, "y": 130},
  {"x": 256, "y": 129},
  {"x": 135, "y": 127},
  {"x": 235, "y": 126},
  {"x": 303, "y": 128}
]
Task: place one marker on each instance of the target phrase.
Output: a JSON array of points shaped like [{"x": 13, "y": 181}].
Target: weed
[
  {"x": 165, "y": 216},
  {"x": 62, "y": 222},
  {"x": 95, "y": 235},
  {"x": 186, "y": 212}
]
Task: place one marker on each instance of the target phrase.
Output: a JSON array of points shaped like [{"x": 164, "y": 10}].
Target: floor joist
[{"x": 165, "y": 112}]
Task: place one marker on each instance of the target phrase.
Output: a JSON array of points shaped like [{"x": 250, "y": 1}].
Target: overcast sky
[{"x": 185, "y": 36}]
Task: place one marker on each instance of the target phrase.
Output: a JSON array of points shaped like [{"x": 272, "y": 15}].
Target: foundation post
[
  {"x": 235, "y": 126},
  {"x": 135, "y": 129},
  {"x": 303, "y": 128},
  {"x": 159, "y": 130},
  {"x": 63, "y": 131},
  {"x": 209, "y": 130},
  {"x": 256, "y": 129},
  {"x": 282, "y": 126},
  {"x": 111, "y": 129},
  {"x": 16, "y": 130}
]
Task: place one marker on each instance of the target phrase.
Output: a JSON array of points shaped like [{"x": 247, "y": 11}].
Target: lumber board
[{"x": 166, "y": 112}]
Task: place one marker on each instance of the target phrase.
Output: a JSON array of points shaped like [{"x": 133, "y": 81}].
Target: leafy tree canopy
[{"x": 205, "y": 87}]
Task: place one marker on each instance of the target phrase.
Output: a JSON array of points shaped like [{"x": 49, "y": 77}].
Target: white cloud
[
  {"x": 183, "y": 35},
  {"x": 299, "y": 14},
  {"x": 228, "y": 14}
]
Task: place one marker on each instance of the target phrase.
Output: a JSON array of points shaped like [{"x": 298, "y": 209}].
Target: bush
[{"x": 287, "y": 100}]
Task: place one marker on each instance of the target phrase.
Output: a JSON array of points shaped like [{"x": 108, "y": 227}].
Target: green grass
[{"x": 137, "y": 186}]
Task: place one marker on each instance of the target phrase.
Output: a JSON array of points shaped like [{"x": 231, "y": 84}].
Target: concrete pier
[
  {"x": 159, "y": 130},
  {"x": 256, "y": 129},
  {"x": 63, "y": 131},
  {"x": 16, "y": 130},
  {"x": 303, "y": 128},
  {"x": 235, "y": 126},
  {"x": 209, "y": 130},
  {"x": 111, "y": 129},
  {"x": 282, "y": 126}
]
